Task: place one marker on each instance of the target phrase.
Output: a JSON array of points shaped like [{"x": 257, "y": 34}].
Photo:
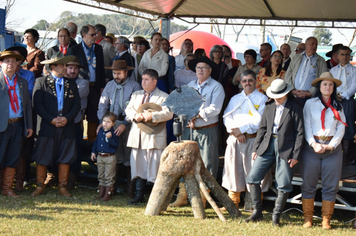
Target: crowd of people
[{"x": 279, "y": 111}]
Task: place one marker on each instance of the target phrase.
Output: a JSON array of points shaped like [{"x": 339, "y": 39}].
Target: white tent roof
[{"x": 339, "y": 13}]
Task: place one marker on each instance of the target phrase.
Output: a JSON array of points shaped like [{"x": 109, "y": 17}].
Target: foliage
[
  {"x": 323, "y": 35},
  {"x": 119, "y": 24}
]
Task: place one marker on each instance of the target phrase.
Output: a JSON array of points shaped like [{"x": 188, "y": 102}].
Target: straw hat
[
  {"x": 150, "y": 127},
  {"x": 119, "y": 65},
  {"x": 7, "y": 54},
  {"x": 278, "y": 89},
  {"x": 58, "y": 58},
  {"x": 326, "y": 76},
  {"x": 20, "y": 49}
]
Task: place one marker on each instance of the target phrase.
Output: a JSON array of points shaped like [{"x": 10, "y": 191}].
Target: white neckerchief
[
  {"x": 121, "y": 98},
  {"x": 342, "y": 76},
  {"x": 252, "y": 107}
]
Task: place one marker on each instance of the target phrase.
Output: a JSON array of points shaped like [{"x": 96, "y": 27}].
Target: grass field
[{"x": 52, "y": 214}]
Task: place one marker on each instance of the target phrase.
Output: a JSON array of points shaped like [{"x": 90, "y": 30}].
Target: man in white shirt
[
  {"x": 345, "y": 72},
  {"x": 242, "y": 118}
]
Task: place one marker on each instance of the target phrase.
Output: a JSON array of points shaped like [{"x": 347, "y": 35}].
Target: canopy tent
[{"x": 302, "y": 13}]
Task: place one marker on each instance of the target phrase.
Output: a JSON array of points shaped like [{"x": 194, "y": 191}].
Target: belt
[
  {"x": 106, "y": 154},
  {"x": 323, "y": 138},
  {"x": 121, "y": 117},
  {"x": 275, "y": 135},
  {"x": 207, "y": 126},
  {"x": 92, "y": 84},
  {"x": 250, "y": 135},
  {"x": 15, "y": 120}
]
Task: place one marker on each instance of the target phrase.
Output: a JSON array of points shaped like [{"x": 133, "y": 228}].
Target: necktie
[
  {"x": 13, "y": 97},
  {"x": 146, "y": 98}
]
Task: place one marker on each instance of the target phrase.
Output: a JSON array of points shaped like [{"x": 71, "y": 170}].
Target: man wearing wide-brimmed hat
[
  {"x": 115, "y": 97},
  {"x": 278, "y": 141},
  {"x": 23, "y": 167},
  {"x": 57, "y": 103},
  {"x": 83, "y": 89},
  {"x": 333, "y": 54},
  {"x": 16, "y": 118},
  {"x": 147, "y": 137}
]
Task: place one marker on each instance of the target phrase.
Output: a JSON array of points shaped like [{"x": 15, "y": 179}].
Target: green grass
[{"x": 52, "y": 214}]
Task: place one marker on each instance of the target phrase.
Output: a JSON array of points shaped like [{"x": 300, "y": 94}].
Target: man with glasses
[
  {"x": 122, "y": 46},
  {"x": 304, "y": 68},
  {"x": 300, "y": 48},
  {"x": 242, "y": 118},
  {"x": 265, "y": 52},
  {"x": 345, "y": 72},
  {"x": 91, "y": 57},
  {"x": 108, "y": 48},
  {"x": 205, "y": 124}
]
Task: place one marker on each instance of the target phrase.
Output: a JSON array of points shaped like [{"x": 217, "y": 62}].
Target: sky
[{"x": 27, "y": 13}]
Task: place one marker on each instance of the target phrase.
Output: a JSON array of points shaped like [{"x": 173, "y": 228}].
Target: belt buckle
[{"x": 323, "y": 138}]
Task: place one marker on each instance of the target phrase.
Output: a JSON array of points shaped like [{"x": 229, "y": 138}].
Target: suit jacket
[
  {"x": 286, "y": 64},
  {"x": 290, "y": 132},
  {"x": 53, "y": 50},
  {"x": 136, "y": 136},
  {"x": 78, "y": 51},
  {"x": 46, "y": 105},
  {"x": 4, "y": 104},
  {"x": 294, "y": 67},
  {"x": 130, "y": 60},
  {"x": 108, "y": 51}
]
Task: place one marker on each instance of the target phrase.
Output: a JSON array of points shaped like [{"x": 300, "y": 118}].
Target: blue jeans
[{"x": 283, "y": 174}]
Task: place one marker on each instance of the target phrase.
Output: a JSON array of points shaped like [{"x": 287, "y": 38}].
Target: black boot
[
  {"x": 279, "y": 206},
  {"x": 255, "y": 192},
  {"x": 140, "y": 192},
  {"x": 346, "y": 146}
]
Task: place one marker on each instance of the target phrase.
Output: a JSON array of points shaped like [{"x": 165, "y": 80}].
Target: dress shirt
[
  {"x": 312, "y": 122},
  {"x": 83, "y": 90},
  {"x": 183, "y": 77},
  {"x": 306, "y": 72},
  {"x": 31, "y": 79},
  {"x": 158, "y": 62},
  {"x": 106, "y": 98},
  {"x": 241, "y": 113},
  {"x": 241, "y": 69},
  {"x": 179, "y": 62},
  {"x": 277, "y": 116},
  {"x": 12, "y": 114},
  {"x": 348, "y": 88},
  {"x": 213, "y": 96},
  {"x": 102, "y": 144}
]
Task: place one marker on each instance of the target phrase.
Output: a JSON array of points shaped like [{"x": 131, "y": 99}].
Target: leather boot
[
  {"x": 7, "y": 182},
  {"x": 255, "y": 192},
  {"x": 1, "y": 177},
  {"x": 346, "y": 146},
  {"x": 63, "y": 174},
  {"x": 108, "y": 193},
  {"x": 101, "y": 192},
  {"x": 140, "y": 192},
  {"x": 235, "y": 197},
  {"x": 327, "y": 210},
  {"x": 130, "y": 186},
  {"x": 41, "y": 173},
  {"x": 20, "y": 174},
  {"x": 182, "y": 197},
  {"x": 279, "y": 206},
  {"x": 71, "y": 180},
  {"x": 308, "y": 211}
]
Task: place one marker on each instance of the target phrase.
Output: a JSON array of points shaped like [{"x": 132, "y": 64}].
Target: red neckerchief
[
  {"x": 333, "y": 63},
  {"x": 14, "y": 101},
  {"x": 97, "y": 42},
  {"x": 336, "y": 114},
  {"x": 262, "y": 63},
  {"x": 63, "y": 49}
]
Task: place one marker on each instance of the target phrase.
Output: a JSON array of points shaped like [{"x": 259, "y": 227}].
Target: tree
[
  {"x": 41, "y": 25},
  {"x": 10, "y": 4},
  {"x": 323, "y": 35}
]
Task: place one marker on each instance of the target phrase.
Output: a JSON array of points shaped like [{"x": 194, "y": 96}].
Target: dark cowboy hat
[
  {"x": 74, "y": 62},
  {"x": 193, "y": 63},
  {"x": 326, "y": 76},
  {"x": 58, "y": 58},
  {"x": 20, "y": 49},
  {"x": 7, "y": 54},
  {"x": 335, "y": 48},
  {"x": 119, "y": 65},
  {"x": 150, "y": 127}
]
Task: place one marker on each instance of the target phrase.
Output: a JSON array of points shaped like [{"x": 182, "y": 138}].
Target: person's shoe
[
  {"x": 327, "y": 211},
  {"x": 182, "y": 197},
  {"x": 255, "y": 192},
  {"x": 101, "y": 192},
  {"x": 108, "y": 193},
  {"x": 41, "y": 173},
  {"x": 308, "y": 211},
  {"x": 63, "y": 174},
  {"x": 7, "y": 182},
  {"x": 140, "y": 191},
  {"x": 279, "y": 206}
]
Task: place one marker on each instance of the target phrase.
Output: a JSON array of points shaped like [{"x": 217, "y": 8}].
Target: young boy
[{"x": 103, "y": 150}]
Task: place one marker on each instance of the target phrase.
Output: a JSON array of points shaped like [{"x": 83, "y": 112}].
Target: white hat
[{"x": 278, "y": 89}]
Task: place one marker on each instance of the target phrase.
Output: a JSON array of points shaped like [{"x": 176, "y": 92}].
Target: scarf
[
  {"x": 14, "y": 101},
  {"x": 336, "y": 114}
]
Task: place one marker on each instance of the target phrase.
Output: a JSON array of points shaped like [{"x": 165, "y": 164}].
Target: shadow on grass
[{"x": 27, "y": 217}]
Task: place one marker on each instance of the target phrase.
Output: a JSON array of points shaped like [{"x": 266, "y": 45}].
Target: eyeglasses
[
  {"x": 278, "y": 57},
  {"x": 188, "y": 44},
  {"x": 220, "y": 52},
  {"x": 299, "y": 49},
  {"x": 202, "y": 68},
  {"x": 247, "y": 81},
  {"x": 62, "y": 36},
  {"x": 263, "y": 49},
  {"x": 92, "y": 35},
  {"x": 139, "y": 45}
]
